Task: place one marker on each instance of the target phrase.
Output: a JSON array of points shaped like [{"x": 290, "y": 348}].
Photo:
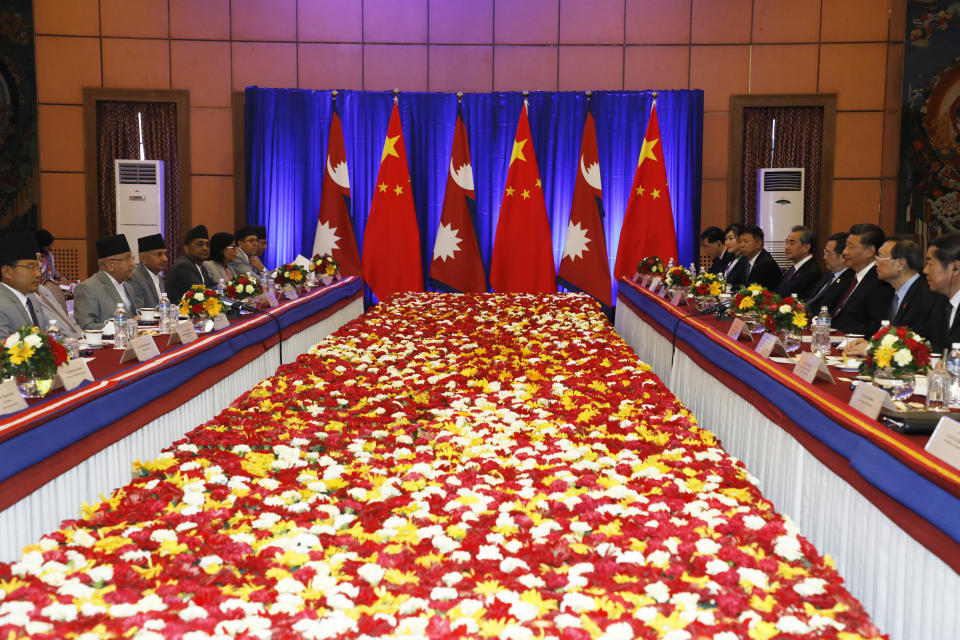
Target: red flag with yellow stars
[
  {"x": 391, "y": 241},
  {"x": 522, "y": 252},
  {"x": 648, "y": 223},
  {"x": 456, "y": 264},
  {"x": 334, "y": 236},
  {"x": 584, "y": 266}
]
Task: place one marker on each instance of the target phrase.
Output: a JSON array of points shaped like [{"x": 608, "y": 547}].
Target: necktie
[
  {"x": 843, "y": 301},
  {"x": 894, "y": 307},
  {"x": 792, "y": 270},
  {"x": 33, "y": 313}
]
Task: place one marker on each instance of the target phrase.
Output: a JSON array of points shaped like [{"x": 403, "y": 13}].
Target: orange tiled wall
[{"x": 212, "y": 47}]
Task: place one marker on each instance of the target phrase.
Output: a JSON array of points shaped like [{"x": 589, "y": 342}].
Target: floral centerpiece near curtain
[
  {"x": 243, "y": 287},
  {"x": 678, "y": 277},
  {"x": 32, "y": 357},
  {"x": 325, "y": 267},
  {"x": 894, "y": 356},
  {"x": 651, "y": 266},
  {"x": 706, "y": 284},
  {"x": 290, "y": 275}
]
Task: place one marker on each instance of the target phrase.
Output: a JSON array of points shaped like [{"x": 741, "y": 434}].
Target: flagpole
[{"x": 396, "y": 93}]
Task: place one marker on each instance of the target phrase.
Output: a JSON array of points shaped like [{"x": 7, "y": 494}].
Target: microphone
[{"x": 233, "y": 303}]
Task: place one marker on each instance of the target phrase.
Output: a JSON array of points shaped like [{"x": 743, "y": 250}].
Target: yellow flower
[
  {"x": 715, "y": 288},
  {"x": 747, "y": 303},
  {"x": 883, "y": 355},
  {"x": 755, "y": 288},
  {"x": 20, "y": 353},
  {"x": 799, "y": 320},
  {"x": 212, "y": 306}
]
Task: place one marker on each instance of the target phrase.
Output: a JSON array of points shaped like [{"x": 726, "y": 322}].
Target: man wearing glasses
[
  {"x": 95, "y": 299},
  {"x": 20, "y": 275}
]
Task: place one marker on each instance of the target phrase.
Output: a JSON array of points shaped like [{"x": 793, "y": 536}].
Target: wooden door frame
[
  {"x": 93, "y": 95},
  {"x": 828, "y": 101}
]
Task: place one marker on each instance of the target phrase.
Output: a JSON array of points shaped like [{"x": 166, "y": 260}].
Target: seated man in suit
[
  {"x": 803, "y": 275},
  {"x": 867, "y": 299},
  {"x": 95, "y": 299},
  {"x": 731, "y": 248},
  {"x": 248, "y": 246},
  {"x": 711, "y": 244},
  {"x": 899, "y": 262},
  {"x": 756, "y": 265},
  {"x": 20, "y": 276},
  {"x": 188, "y": 269},
  {"x": 835, "y": 280},
  {"x": 146, "y": 283},
  {"x": 942, "y": 269}
]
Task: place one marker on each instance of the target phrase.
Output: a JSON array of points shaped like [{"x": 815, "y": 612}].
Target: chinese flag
[
  {"x": 391, "y": 242},
  {"x": 334, "y": 235},
  {"x": 584, "y": 264},
  {"x": 522, "y": 253},
  {"x": 648, "y": 223},
  {"x": 456, "y": 262}
]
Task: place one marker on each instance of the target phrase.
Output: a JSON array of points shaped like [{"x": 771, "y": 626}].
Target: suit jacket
[
  {"x": 803, "y": 280},
  {"x": 720, "y": 263},
  {"x": 144, "y": 293},
  {"x": 828, "y": 291},
  {"x": 54, "y": 309},
  {"x": 765, "y": 271},
  {"x": 13, "y": 314},
  {"x": 184, "y": 275},
  {"x": 739, "y": 272},
  {"x": 95, "y": 300},
  {"x": 218, "y": 271},
  {"x": 865, "y": 307},
  {"x": 241, "y": 264},
  {"x": 916, "y": 308},
  {"x": 940, "y": 335}
]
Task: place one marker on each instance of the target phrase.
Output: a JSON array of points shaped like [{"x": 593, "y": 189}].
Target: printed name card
[
  {"x": 678, "y": 298},
  {"x": 272, "y": 297},
  {"x": 636, "y": 277},
  {"x": 10, "y": 399},
  {"x": 769, "y": 345},
  {"x": 185, "y": 333},
  {"x": 220, "y": 321},
  {"x": 868, "y": 400},
  {"x": 71, "y": 374},
  {"x": 945, "y": 441},
  {"x": 810, "y": 366},
  {"x": 736, "y": 328},
  {"x": 141, "y": 348},
  {"x": 303, "y": 262},
  {"x": 654, "y": 283}
]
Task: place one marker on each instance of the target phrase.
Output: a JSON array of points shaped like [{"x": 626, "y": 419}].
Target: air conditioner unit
[
  {"x": 779, "y": 207},
  {"x": 140, "y": 205}
]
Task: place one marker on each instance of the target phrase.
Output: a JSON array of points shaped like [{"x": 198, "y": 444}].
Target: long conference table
[
  {"x": 73, "y": 447},
  {"x": 886, "y": 510}
]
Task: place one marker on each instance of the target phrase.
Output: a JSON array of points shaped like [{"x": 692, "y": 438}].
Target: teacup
[
  {"x": 148, "y": 314},
  {"x": 94, "y": 337}
]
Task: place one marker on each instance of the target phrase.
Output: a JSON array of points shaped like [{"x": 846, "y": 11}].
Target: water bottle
[
  {"x": 53, "y": 330},
  {"x": 938, "y": 388},
  {"x": 120, "y": 327},
  {"x": 163, "y": 313},
  {"x": 131, "y": 329},
  {"x": 953, "y": 368},
  {"x": 820, "y": 332},
  {"x": 221, "y": 287}
]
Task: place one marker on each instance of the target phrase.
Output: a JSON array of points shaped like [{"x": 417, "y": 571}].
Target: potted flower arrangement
[
  {"x": 32, "y": 357},
  {"x": 752, "y": 303},
  {"x": 651, "y": 266},
  {"x": 290, "y": 277},
  {"x": 243, "y": 287},
  {"x": 200, "y": 303},
  {"x": 894, "y": 356},
  {"x": 705, "y": 288},
  {"x": 325, "y": 268},
  {"x": 789, "y": 317}
]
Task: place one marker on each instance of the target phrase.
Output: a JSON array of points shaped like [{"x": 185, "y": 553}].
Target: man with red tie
[
  {"x": 868, "y": 298},
  {"x": 942, "y": 270},
  {"x": 803, "y": 274}
]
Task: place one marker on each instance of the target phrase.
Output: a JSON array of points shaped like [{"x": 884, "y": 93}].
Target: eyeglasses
[
  {"x": 31, "y": 267},
  {"x": 123, "y": 259},
  {"x": 879, "y": 259}
]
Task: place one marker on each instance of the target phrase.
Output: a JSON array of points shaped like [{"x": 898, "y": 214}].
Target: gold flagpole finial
[
  {"x": 526, "y": 94},
  {"x": 459, "y": 97},
  {"x": 589, "y": 94},
  {"x": 334, "y": 94},
  {"x": 396, "y": 93},
  {"x": 655, "y": 94}
]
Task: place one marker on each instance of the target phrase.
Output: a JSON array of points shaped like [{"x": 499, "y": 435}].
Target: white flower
[
  {"x": 753, "y": 576},
  {"x": 12, "y": 339},
  {"x": 61, "y": 612},
  {"x": 810, "y": 586},
  {"x": 889, "y": 339},
  {"x": 443, "y": 593},
  {"x": 192, "y": 612},
  {"x": 33, "y": 340},
  {"x": 249, "y": 288},
  {"x": 793, "y": 625},
  {"x": 289, "y": 585},
  {"x": 754, "y": 522},
  {"x": 618, "y": 631},
  {"x": 788, "y": 547},
  {"x": 785, "y": 308},
  {"x": 903, "y": 357},
  {"x": 716, "y": 566},
  {"x": 577, "y": 602},
  {"x": 658, "y": 591},
  {"x": 371, "y": 572},
  {"x": 524, "y": 611},
  {"x": 509, "y": 565},
  {"x": 707, "y": 546}
]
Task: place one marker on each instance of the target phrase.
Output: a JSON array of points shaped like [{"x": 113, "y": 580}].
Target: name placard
[
  {"x": 141, "y": 348},
  {"x": 736, "y": 328},
  {"x": 184, "y": 334},
  {"x": 810, "y": 366},
  {"x": 654, "y": 283},
  {"x": 71, "y": 374},
  {"x": 868, "y": 400},
  {"x": 10, "y": 399},
  {"x": 220, "y": 321},
  {"x": 271, "y": 297},
  {"x": 678, "y": 298},
  {"x": 769, "y": 345},
  {"x": 636, "y": 277},
  {"x": 945, "y": 441}
]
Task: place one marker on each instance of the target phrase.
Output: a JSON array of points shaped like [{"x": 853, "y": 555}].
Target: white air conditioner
[
  {"x": 779, "y": 207},
  {"x": 139, "y": 185}
]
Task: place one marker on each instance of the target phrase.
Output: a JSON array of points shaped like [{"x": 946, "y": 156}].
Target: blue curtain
[{"x": 286, "y": 140}]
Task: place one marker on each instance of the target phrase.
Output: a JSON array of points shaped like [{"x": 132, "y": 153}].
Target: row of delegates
[
  {"x": 20, "y": 278},
  {"x": 208, "y": 260}
]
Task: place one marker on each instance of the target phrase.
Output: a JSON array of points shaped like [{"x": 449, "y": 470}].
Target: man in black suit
[
  {"x": 800, "y": 278},
  {"x": 942, "y": 270},
  {"x": 188, "y": 269},
  {"x": 867, "y": 299},
  {"x": 711, "y": 244},
  {"x": 835, "y": 280},
  {"x": 756, "y": 265}
]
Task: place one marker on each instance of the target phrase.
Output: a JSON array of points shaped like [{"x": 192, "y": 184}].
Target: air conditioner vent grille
[
  {"x": 137, "y": 173},
  {"x": 783, "y": 181}
]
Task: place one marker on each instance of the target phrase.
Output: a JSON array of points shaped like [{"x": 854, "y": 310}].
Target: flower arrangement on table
[
  {"x": 243, "y": 287},
  {"x": 200, "y": 302},
  {"x": 707, "y": 284},
  {"x": 752, "y": 298},
  {"x": 290, "y": 275},
  {"x": 787, "y": 314},
  {"x": 898, "y": 349},
  {"x": 326, "y": 268},
  {"x": 678, "y": 276},
  {"x": 32, "y": 357},
  {"x": 651, "y": 266}
]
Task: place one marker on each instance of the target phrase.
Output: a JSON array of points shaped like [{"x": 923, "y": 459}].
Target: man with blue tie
[{"x": 20, "y": 275}]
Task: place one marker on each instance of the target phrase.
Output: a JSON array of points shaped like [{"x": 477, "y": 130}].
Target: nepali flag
[
  {"x": 522, "y": 251},
  {"x": 334, "y": 236},
  {"x": 391, "y": 241},
  {"x": 584, "y": 265},
  {"x": 648, "y": 222},
  {"x": 457, "y": 266}
]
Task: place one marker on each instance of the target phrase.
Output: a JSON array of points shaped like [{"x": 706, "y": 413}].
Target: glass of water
[{"x": 938, "y": 389}]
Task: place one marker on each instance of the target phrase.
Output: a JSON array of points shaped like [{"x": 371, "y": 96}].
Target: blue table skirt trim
[
  {"x": 45, "y": 440},
  {"x": 879, "y": 468}
]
